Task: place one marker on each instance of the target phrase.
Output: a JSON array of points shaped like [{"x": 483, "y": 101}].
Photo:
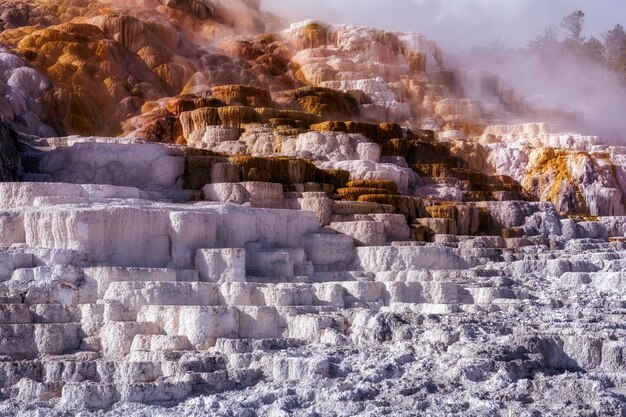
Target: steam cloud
[
  {"x": 455, "y": 23},
  {"x": 459, "y": 25}
]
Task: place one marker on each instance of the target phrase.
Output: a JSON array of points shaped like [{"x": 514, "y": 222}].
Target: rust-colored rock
[
  {"x": 410, "y": 207},
  {"x": 106, "y": 84},
  {"x": 390, "y": 186},
  {"x": 353, "y": 193},
  {"x": 324, "y": 102},
  {"x": 287, "y": 171},
  {"x": 241, "y": 95},
  {"x": 159, "y": 125}
]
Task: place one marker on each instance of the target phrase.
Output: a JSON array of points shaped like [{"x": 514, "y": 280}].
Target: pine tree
[
  {"x": 593, "y": 50},
  {"x": 574, "y": 24},
  {"x": 615, "y": 49},
  {"x": 545, "y": 44}
]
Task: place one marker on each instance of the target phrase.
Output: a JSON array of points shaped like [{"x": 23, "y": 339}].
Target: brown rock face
[
  {"x": 241, "y": 95},
  {"x": 18, "y": 14},
  {"x": 410, "y": 207},
  {"x": 287, "y": 171},
  {"x": 379, "y": 133},
  {"x": 203, "y": 10},
  {"x": 10, "y": 164},
  {"x": 105, "y": 83},
  {"x": 324, "y": 102},
  {"x": 159, "y": 125},
  {"x": 240, "y": 14},
  {"x": 106, "y": 60},
  {"x": 268, "y": 56}
]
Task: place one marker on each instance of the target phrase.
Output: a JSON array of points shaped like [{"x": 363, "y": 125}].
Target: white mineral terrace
[{"x": 117, "y": 296}]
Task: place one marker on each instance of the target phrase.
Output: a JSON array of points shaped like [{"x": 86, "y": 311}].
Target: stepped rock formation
[{"x": 205, "y": 210}]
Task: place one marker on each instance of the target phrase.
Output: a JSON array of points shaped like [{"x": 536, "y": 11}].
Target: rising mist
[{"x": 497, "y": 43}]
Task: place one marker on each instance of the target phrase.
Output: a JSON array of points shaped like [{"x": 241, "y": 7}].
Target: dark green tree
[
  {"x": 615, "y": 49},
  {"x": 593, "y": 50}
]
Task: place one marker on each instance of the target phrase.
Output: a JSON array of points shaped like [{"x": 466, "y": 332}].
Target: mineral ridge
[{"x": 202, "y": 214}]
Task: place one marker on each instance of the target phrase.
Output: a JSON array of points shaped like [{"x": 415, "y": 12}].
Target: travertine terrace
[{"x": 203, "y": 213}]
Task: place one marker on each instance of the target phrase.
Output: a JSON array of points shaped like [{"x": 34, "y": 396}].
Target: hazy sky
[{"x": 457, "y": 23}]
